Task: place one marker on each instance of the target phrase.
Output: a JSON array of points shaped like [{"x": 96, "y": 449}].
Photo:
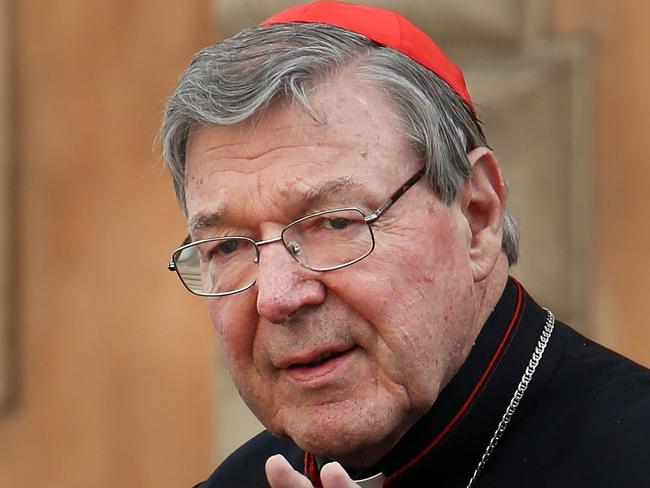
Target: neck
[{"x": 488, "y": 292}]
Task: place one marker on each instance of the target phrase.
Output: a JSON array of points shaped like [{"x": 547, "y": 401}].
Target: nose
[{"x": 283, "y": 285}]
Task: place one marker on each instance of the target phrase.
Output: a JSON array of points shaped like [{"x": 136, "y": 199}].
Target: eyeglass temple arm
[{"x": 395, "y": 196}]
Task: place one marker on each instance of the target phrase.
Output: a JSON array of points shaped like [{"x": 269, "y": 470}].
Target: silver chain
[{"x": 519, "y": 393}]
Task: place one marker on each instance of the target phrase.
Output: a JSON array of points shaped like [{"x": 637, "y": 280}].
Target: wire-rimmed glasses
[{"x": 322, "y": 241}]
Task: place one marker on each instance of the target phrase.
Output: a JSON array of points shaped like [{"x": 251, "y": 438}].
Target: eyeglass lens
[{"x": 329, "y": 240}]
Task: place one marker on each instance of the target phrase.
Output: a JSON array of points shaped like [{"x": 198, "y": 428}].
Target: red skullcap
[{"x": 383, "y": 26}]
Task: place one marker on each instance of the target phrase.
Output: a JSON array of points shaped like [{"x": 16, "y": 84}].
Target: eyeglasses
[{"x": 322, "y": 241}]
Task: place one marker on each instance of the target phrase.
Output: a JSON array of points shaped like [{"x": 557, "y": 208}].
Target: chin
[{"x": 344, "y": 434}]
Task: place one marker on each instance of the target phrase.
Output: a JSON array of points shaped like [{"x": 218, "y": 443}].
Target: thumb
[
  {"x": 281, "y": 474},
  {"x": 334, "y": 476}
]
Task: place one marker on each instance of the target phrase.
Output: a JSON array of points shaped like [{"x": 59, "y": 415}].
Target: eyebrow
[
  {"x": 327, "y": 189},
  {"x": 205, "y": 220}
]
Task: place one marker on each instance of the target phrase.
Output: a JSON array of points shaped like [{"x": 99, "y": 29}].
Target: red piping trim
[
  {"x": 311, "y": 470},
  {"x": 471, "y": 396}
]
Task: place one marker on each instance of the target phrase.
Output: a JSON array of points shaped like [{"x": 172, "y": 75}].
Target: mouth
[
  {"x": 320, "y": 360},
  {"x": 316, "y": 364}
]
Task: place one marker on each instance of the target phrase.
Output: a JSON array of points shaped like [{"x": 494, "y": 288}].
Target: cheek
[
  {"x": 410, "y": 274},
  {"x": 415, "y": 294},
  {"x": 235, "y": 327}
]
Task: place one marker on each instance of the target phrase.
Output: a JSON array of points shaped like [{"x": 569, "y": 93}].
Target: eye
[
  {"x": 219, "y": 249},
  {"x": 337, "y": 223},
  {"x": 227, "y": 247}
]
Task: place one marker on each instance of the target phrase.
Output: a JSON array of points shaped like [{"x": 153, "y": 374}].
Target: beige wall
[
  {"x": 620, "y": 271},
  {"x": 115, "y": 362}
]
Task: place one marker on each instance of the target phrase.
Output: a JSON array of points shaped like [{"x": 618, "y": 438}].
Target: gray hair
[{"x": 237, "y": 79}]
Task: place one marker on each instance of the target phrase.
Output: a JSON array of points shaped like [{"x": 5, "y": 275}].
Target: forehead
[{"x": 352, "y": 143}]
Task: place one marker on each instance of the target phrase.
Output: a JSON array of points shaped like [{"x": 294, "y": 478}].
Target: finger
[
  {"x": 334, "y": 476},
  {"x": 282, "y": 475}
]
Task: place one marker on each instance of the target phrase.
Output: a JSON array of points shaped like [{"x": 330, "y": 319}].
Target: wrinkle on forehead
[
  {"x": 247, "y": 151},
  {"x": 233, "y": 156}
]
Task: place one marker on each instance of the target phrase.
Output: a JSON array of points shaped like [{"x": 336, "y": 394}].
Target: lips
[
  {"x": 311, "y": 357},
  {"x": 316, "y": 363}
]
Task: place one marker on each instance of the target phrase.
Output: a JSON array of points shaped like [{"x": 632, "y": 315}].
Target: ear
[{"x": 482, "y": 201}]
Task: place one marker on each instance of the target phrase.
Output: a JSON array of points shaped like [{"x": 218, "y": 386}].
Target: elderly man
[{"x": 347, "y": 221}]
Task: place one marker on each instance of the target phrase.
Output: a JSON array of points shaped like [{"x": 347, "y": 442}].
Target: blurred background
[{"x": 109, "y": 371}]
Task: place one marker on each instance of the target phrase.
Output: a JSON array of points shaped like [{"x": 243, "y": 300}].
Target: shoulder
[
  {"x": 597, "y": 412},
  {"x": 603, "y": 377},
  {"x": 245, "y": 467},
  {"x": 616, "y": 392}
]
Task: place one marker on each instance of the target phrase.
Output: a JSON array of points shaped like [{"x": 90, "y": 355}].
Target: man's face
[{"x": 344, "y": 361}]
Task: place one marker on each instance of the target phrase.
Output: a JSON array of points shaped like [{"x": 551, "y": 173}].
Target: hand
[{"x": 282, "y": 475}]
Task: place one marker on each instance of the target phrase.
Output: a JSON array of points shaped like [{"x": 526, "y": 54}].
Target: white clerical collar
[{"x": 375, "y": 481}]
